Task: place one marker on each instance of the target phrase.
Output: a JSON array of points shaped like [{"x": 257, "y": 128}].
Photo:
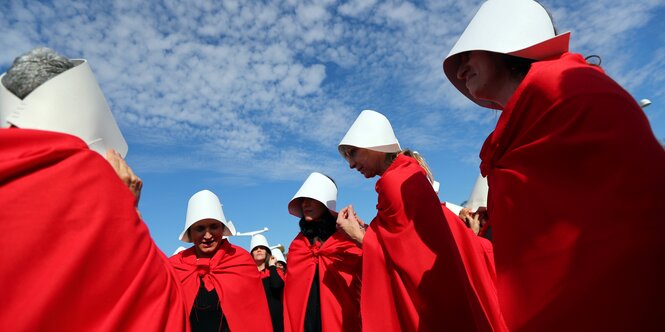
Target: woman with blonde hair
[{"x": 415, "y": 276}]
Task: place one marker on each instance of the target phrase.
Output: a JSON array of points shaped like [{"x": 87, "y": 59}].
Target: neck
[{"x": 507, "y": 90}]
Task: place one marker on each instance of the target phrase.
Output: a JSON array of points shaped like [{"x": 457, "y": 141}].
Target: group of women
[{"x": 573, "y": 171}]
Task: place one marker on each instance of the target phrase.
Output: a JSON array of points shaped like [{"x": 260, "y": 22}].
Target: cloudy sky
[{"x": 246, "y": 98}]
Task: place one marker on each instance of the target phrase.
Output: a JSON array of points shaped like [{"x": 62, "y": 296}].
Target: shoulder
[
  {"x": 569, "y": 76},
  {"x": 403, "y": 174}
]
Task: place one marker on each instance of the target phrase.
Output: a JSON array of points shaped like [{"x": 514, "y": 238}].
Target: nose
[
  {"x": 207, "y": 235},
  {"x": 352, "y": 163}
]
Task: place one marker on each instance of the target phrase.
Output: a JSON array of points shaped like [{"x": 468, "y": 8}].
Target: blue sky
[{"x": 246, "y": 98}]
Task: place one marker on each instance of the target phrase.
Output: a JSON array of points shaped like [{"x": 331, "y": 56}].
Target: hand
[
  {"x": 125, "y": 173},
  {"x": 271, "y": 261},
  {"x": 472, "y": 220},
  {"x": 349, "y": 223}
]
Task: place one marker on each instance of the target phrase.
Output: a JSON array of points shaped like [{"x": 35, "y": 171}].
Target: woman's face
[
  {"x": 259, "y": 255},
  {"x": 369, "y": 163},
  {"x": 206, "y": 235},
  {"x": 280, "y": 265},
  {"x": 312, "y": 209},
  {"x": 485, "y": 76}
]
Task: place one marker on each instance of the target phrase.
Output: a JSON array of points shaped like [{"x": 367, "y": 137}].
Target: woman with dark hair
[
  {"x": 272, "y": 278},
  {"x": 221, "y": 286},
  {"x": 423, "y": 270},
  {"x": 574, "y": 173},
  {"x": 280, "y": 261},
  {"x": 323, "y": 284}
]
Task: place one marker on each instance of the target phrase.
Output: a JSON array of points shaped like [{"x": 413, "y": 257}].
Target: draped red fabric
[
  {"x": 233, "y": 274},
  {"x": 414, "y": 278},
  {"x": 75, "y": 254},
  {"x": 339, "y": 265},
  {"x": 576, "y": 185},
  {"x": 265, "y": 273},
  {"x": 477, "y": 255}
]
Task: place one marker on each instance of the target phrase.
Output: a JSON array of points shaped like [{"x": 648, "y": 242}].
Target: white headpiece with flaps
[
  {"x": 258, "y": 240},
  {"x": 372, "y": 131},
  {"x": 317, "y": 187},
  {"x": 521, "y": 28},
  {"x": 70, "y": 103},
  {"x": 205, "y": 205}
]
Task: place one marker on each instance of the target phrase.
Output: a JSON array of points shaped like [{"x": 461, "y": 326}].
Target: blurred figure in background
[
  {"x": 574, "y": 174},
  {"x": 272, "y": 278},
  {"x": 78, "y": 209},
  {"x": 222, "y": 289},
  {"x": 323, "y": 285},
  {"x": 280, "y": 261},
  {"x": 415, "y": 276}
]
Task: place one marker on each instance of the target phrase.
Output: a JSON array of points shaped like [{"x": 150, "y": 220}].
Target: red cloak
[
  {"x": 75, "y": 254},
  {"x": 339, "y": 265},
  {"x": 414, "y": 278},
  {"x": 235, "y": 278},
  {"x": 576, "y": 182}
]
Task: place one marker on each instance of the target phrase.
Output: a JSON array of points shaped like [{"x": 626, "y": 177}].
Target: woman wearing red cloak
[
  {"x": 415, "y": 277},
  {"x": 323, "y": 284},
  {"x": 575, "y": 174},
  {"x": 222, "y": 287}
]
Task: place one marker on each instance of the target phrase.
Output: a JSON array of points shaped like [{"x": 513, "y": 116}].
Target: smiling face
[
  {"x": 369, "y": 163},
  {"x": 206, "y": 235},
  {"x": 486, "y": 77},
  {"x": 312, "y": 209}
]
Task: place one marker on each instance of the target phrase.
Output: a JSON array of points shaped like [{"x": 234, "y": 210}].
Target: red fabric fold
[
  {"x": 235, "y": 278},
  {"x": 575, "y": 175},
  {"x": 75, "y": 254},
  {"x": 339, "y": 265},
  {"x": 414, "y": 278}
]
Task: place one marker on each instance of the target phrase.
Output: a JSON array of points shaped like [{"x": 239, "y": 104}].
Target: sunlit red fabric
[
  {"x": 414, "y": 278},
  {"x": 339, "y": 265},
  {"x": 235, "y": 278},
  {"x": 75, "y": 254},
  {"x": 576, "y": 188}
]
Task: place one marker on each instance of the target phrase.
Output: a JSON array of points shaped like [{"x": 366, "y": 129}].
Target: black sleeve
[{"x": 276, "y": 282}]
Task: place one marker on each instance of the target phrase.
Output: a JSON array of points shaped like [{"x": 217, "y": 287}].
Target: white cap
[
  {"x": 70, "y": 103},
  {"x": 181, "y": 248},
  {"x": 279, "y": 256},
  {"x": 521, "y": 28},
  {"x": 317, "y": 187},
  {"x": 454, "y": 208},
  {"x": 478, "y": 195},
  {"x": 258, "y": 240},
  {"x": 372, "y": 131},
  {"x": 435, "y": 186},
  {"x": 205, "y": 205}
]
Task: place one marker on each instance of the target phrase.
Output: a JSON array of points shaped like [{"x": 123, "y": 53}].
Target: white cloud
[{"x": 274, "y": 86}]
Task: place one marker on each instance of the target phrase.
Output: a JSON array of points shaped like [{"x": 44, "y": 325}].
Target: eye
[
  {"x": 351, "y": 152},
  {"x": 199, "y": 229},
  {"x": 215, "y": 226}
]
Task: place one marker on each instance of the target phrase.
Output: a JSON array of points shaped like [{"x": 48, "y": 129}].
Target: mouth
[{"x": 208, "y": 244}]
